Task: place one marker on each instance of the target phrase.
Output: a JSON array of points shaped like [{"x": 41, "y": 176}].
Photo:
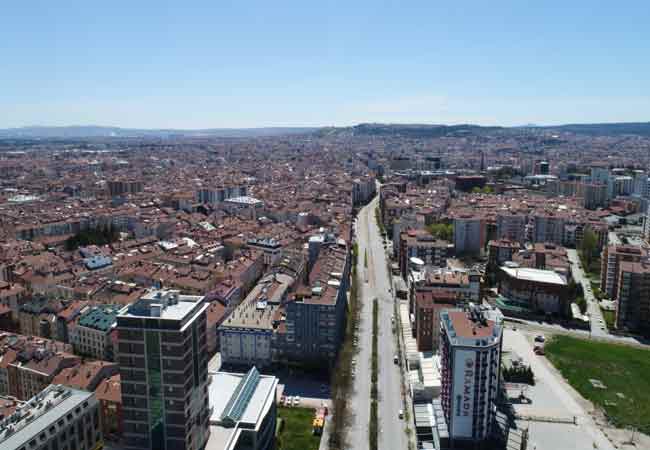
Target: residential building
[
  {"x": 162, "y": 353},
  {"x": 470, "y": 353},
  {"x": 244, "y": 411},
  {"x": 56, "y": 418},
  {"x": 363, "y": 190},
  {"x": 469, "y": 235},
  {"x": 593, "y": 195},
  {"x": 245, "y": 336},
  {"x": 421, "y": 244},
  {"x": 511, "y": 226},
  {"x": 428, "y": 305},
  {"x": 633, "y": 310},
  {"x": 500, "y": 251},
  {"x": 91, "y": 335},
  {"x": 109, "y": 395},
  {"x": 316, "y": 314},
  {"x": 611, "y": 259},
  {"x": 466, "y": 284}
]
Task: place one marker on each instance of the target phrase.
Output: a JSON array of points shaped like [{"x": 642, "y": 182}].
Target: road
[
  {"x": 392, "y": 434},
  {"x": 598, "y": 327}
]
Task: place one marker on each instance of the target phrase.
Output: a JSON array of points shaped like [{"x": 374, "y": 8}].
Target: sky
[{"x": 221, "y": 64}]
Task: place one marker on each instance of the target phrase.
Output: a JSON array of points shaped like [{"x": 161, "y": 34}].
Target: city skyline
[{"x": 235, "y": 66}]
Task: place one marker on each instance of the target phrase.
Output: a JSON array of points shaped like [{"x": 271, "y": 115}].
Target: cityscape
[
  {"x": 325, "y": 225},
  {"x": 375, "y": 286}
]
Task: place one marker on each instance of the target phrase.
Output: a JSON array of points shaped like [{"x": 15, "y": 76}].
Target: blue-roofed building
[
  {"x": 91, "y": 334},
  {"x": 97, "y": 262},
  {"x": 244, "y": 411}
]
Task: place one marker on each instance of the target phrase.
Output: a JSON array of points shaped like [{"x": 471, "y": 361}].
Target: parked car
[
  {"x": 540, "y": 338},
  {"x": 400, "y": 414},
  {"x": 296, "y": 400}
]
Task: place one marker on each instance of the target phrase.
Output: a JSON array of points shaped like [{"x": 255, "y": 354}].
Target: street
[
  {"x": 392, "y": 434},
  {"x": 598, "y": 327}
]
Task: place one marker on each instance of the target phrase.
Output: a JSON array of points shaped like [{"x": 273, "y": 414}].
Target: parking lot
[{"x": 552, "y": 406}]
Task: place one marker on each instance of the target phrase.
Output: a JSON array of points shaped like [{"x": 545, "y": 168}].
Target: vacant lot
[
  {"x": 622, "y": 370},
  {"x": 296, "y": 432}
]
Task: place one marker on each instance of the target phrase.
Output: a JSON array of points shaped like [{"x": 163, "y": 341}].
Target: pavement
[
  {"x": 598, "y": 327},
  {"x": 554, "y": 405},
  {"x": 374, "y": 281}
]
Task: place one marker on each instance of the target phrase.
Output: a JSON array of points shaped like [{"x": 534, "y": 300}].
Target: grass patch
[
  {"x": 296, "y": 432},
  {"x": 620, "y": 368}
]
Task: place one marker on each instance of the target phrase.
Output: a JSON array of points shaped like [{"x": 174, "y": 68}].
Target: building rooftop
[
  {"x": 471, "y": 327},
  {"x": 535, "y": 275},
  {"x": 100, "y": 318},
  {"x": 163, "y": 304},
  {"x": 39, "y": 413}
]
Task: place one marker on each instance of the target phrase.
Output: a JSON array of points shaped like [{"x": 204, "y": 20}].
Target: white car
[
  {"x": 296, "y": 400},
  {"x": 400, "y": 414}
]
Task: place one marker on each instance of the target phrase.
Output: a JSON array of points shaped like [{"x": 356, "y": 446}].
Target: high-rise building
[
  {"x": 163, "y": 355},
  {"x": 633, "y": 311},
  {"x": 611, "y": 259},
  {"x": 469, "y": 235},
  {"x": 470, "y": 354}
]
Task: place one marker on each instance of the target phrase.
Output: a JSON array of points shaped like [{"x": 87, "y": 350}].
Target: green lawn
[
  {"x": 621, "y": 369},
  {"x": 296, "y": 432}
]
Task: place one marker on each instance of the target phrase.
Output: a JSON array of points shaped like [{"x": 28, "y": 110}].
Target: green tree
[
  {"x": 441, "y": 231},
  {"x": 589, "y": 248}
]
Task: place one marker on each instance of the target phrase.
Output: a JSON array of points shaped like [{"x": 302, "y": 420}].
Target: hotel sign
[{"x": 463, "y": 393}]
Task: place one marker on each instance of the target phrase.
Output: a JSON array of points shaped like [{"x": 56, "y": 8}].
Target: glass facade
[{"x": 156, "y": 418}]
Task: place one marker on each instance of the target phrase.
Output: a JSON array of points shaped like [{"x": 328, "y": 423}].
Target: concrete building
[
  {"x": 315, "y": 316},
  {"x": 219, "y": 194},
  {"x": 363, "y": 190},
  {"x": 163, "y": 369},
  {"x": 428, "y": 306},
  {"x": 118, "y": 188},
  {"x": 611, "y": 259},
  {"x": 548, "y": 227},
  {"x": 633, "y": 311},
  {"x": 469, "y": 235},
  {"x": 91, "y": 335},
  {"x": 271, "y": 249},
  {"x": 244, "y": 411},
  {"x": 470, "y": 352},
  {"x": 56, "y": 418},
  {"x": 245, "y": 337},
  {"x": 501, "y": 251},
  {"x": 465, "y": 284},
  {"x": 534, "y": 289},
  {"x": 593, "y": 195},
  {"x": 511, "y": 226},
  {"x": 420, "y": 244}
]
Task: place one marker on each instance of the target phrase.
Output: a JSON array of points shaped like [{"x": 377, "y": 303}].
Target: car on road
[
  {"x": 296, "y": 400},
  {"x": 400, "y": 414},
  {"x": 540, "y": 338},
  {"x": 396, "y": 359}
]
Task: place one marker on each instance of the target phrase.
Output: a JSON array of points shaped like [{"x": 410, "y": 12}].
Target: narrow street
[{"x": 392, "y": 434}]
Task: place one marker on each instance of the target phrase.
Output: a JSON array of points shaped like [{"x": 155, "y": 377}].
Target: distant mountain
[
  {"x": 408, "y": 130},
  {"x": 90, "y": 131},
  {"x": 606, "y": 129}
]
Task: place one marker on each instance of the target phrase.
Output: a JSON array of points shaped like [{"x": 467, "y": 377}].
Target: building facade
[
  {"x": 162, "y": 354},
  {"x": 470, "y": 351}
]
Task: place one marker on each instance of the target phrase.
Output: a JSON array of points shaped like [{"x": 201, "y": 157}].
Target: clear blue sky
[{"x": 214, "y": 63}]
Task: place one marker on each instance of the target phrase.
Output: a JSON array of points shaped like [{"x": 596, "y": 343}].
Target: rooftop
[
  {"x": 39, "y": 413},
  {"x": 163, "y": 304},
  {"x": 535, "y": 275}
]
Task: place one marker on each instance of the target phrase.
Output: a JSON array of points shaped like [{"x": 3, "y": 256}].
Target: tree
[
  {"x": 589, "y": 248},
  {"x": 441, "y": 231}
]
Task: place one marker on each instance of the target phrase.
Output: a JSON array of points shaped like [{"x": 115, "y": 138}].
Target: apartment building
[
  {"x": 246, "y": 335},
  {"x": 469, "y": 235},
  {"x": 56, "y": 418},
  {"x": 428, "y": 306},
  {"x": 511, "y": 226},
  {"x": 315, "y": 315},
  {"x": 633, "y": 311},
  {"x": 162, "y": 354},
  {"x": 91, "y": 335},
  {"x": 611, "y": 259},
  {"x": 420, "y": 244}
]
